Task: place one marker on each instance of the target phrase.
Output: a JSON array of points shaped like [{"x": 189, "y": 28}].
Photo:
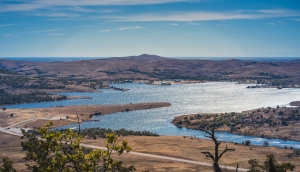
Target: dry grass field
[
  {"x": 187, "y": 148},
  {"x": 173, "y": 146},
  {"x": 10, "y": 146}
]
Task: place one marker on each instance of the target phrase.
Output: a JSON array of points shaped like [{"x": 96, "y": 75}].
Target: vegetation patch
[
  {"x": 94, "y": 133},
  {"x": 6, "y": 98},
  {"x": 280, "y": 122}
]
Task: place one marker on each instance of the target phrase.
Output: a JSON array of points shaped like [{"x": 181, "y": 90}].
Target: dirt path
[
  {"x": 168, "y": 158},
  {"x": 17, "y": 132}
]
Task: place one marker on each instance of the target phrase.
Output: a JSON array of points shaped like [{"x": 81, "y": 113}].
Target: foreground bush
[{"x": 61, "y": 151}]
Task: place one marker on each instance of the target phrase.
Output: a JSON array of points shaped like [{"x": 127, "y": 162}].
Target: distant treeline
[
  {"x": 94, "y": 133},
  {"x": 5, "y": 71},
  {"x": 21, "y": 82},
  {"x": 263, "y": 117},
  {"x": 6, "y": 98}
]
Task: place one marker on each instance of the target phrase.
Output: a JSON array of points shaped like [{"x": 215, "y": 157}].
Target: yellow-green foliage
[{"x": 61, "y": 151}]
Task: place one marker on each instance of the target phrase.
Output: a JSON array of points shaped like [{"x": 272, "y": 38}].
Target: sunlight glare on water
[{"x": 211, "y": 97}]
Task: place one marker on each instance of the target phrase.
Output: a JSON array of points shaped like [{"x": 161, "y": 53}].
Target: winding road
[{"x": 13, "y": 130}]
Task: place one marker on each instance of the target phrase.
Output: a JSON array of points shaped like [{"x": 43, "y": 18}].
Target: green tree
[
  {"x": 297, "y": 152},
  {"x": 266, "y": 143},
  {"x": 270, "y": 165},
  {"x": 7, "y": 165},
  {"x": 247, "y": 142},
  {"x": 61, "y": 151},
  {"x": 253, "y": 165}
]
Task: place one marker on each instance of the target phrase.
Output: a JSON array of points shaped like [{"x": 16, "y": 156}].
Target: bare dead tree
[
  {"x": 216, "y": 157},
  {"x": 78, "y": 124},
  {"x": 237, "y": 167}
]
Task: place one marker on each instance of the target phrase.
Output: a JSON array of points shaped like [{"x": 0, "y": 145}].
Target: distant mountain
[
  {"x": 152, "y": 66},
  {"x": 140, "y": 58}
]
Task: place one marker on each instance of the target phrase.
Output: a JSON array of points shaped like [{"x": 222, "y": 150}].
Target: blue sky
[{"x": 170, "y": 28}]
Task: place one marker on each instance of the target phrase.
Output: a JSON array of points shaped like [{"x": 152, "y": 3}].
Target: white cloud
[
  {"x": 44, "y": 31},
  {"x": 207, "y": 16},
  {"x": 222, "y": 25},
  {"x": 281, "y": 22},
  {"x": 128, "y": 28},
  {"x": 109, "y": 11},
  {"x": 10, "y": 35},
  {"x": 82, "y": 26},
  {"x": 105, "y": 30},
  {"x": 5, "y": 25},
  {"x": 81, "y": 9},
  {"x": 55, "y": 34},
  {"x": 296, "y": 19},
  {"x": 276, "y": 23},
  {"x": 25, "y": 5},
  {"x": 57, "y": 14},
  {"x": 158, "y": 33},
  {"x": 275, "y": 11},
  {"x": 192, "y": 23}
]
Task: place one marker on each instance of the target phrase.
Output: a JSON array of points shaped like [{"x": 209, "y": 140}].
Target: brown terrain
[
  {"x": 188, "y": 148},
  {"x": 83, "y": 112},
  {"x": 88, "y": 75},
  {"x": 296, "y": 103},
  {"x": 23, "y": 77},
  {"x": 280, "y": 122},
  {"x": 156, "y": 67},
  {"x": 173, "y": 146}
]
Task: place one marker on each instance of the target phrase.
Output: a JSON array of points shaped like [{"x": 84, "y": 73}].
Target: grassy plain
[{"x": 173, "y": 146}]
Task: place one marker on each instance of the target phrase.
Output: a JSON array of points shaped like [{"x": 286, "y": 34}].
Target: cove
[{"x": 211, "y": 97}]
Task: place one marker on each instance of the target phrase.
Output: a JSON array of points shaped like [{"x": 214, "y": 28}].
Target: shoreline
[
  {"x": 266, "y": 84},
  {"x": 83, "y": 112},
  {"x": 295, "y": 103},
  {"x": 250, "y": 122},
  {"x": 257, "y": 136},
  {"x": 155, "y": 82},
  {"x": 185, "y": 147},
  {"x": 86, "y": 117}
]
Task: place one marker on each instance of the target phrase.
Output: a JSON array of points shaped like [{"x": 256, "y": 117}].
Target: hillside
[
  {"x": 152, "y": 66},
  {"x": 280, "y": 122}
]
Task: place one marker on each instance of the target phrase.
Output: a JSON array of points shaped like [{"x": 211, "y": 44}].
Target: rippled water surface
[{"x": 185, "y": 99}]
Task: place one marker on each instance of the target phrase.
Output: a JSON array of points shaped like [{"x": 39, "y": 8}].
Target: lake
[{"x": 211, "y": 97}]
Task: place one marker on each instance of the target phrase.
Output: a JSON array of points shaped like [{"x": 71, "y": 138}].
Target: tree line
[
  {"x": 236, "y": 122},
  {"x": 6, "y": 98},
  {"x": 94, "y": 133}
]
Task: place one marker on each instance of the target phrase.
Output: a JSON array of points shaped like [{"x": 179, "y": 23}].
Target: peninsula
[{"x": 280, "y": 122}]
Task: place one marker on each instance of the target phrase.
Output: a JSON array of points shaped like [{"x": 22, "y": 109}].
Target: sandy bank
[
  {"x": 19, "y": 115},
  {"x": 295, "y": 103}
]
